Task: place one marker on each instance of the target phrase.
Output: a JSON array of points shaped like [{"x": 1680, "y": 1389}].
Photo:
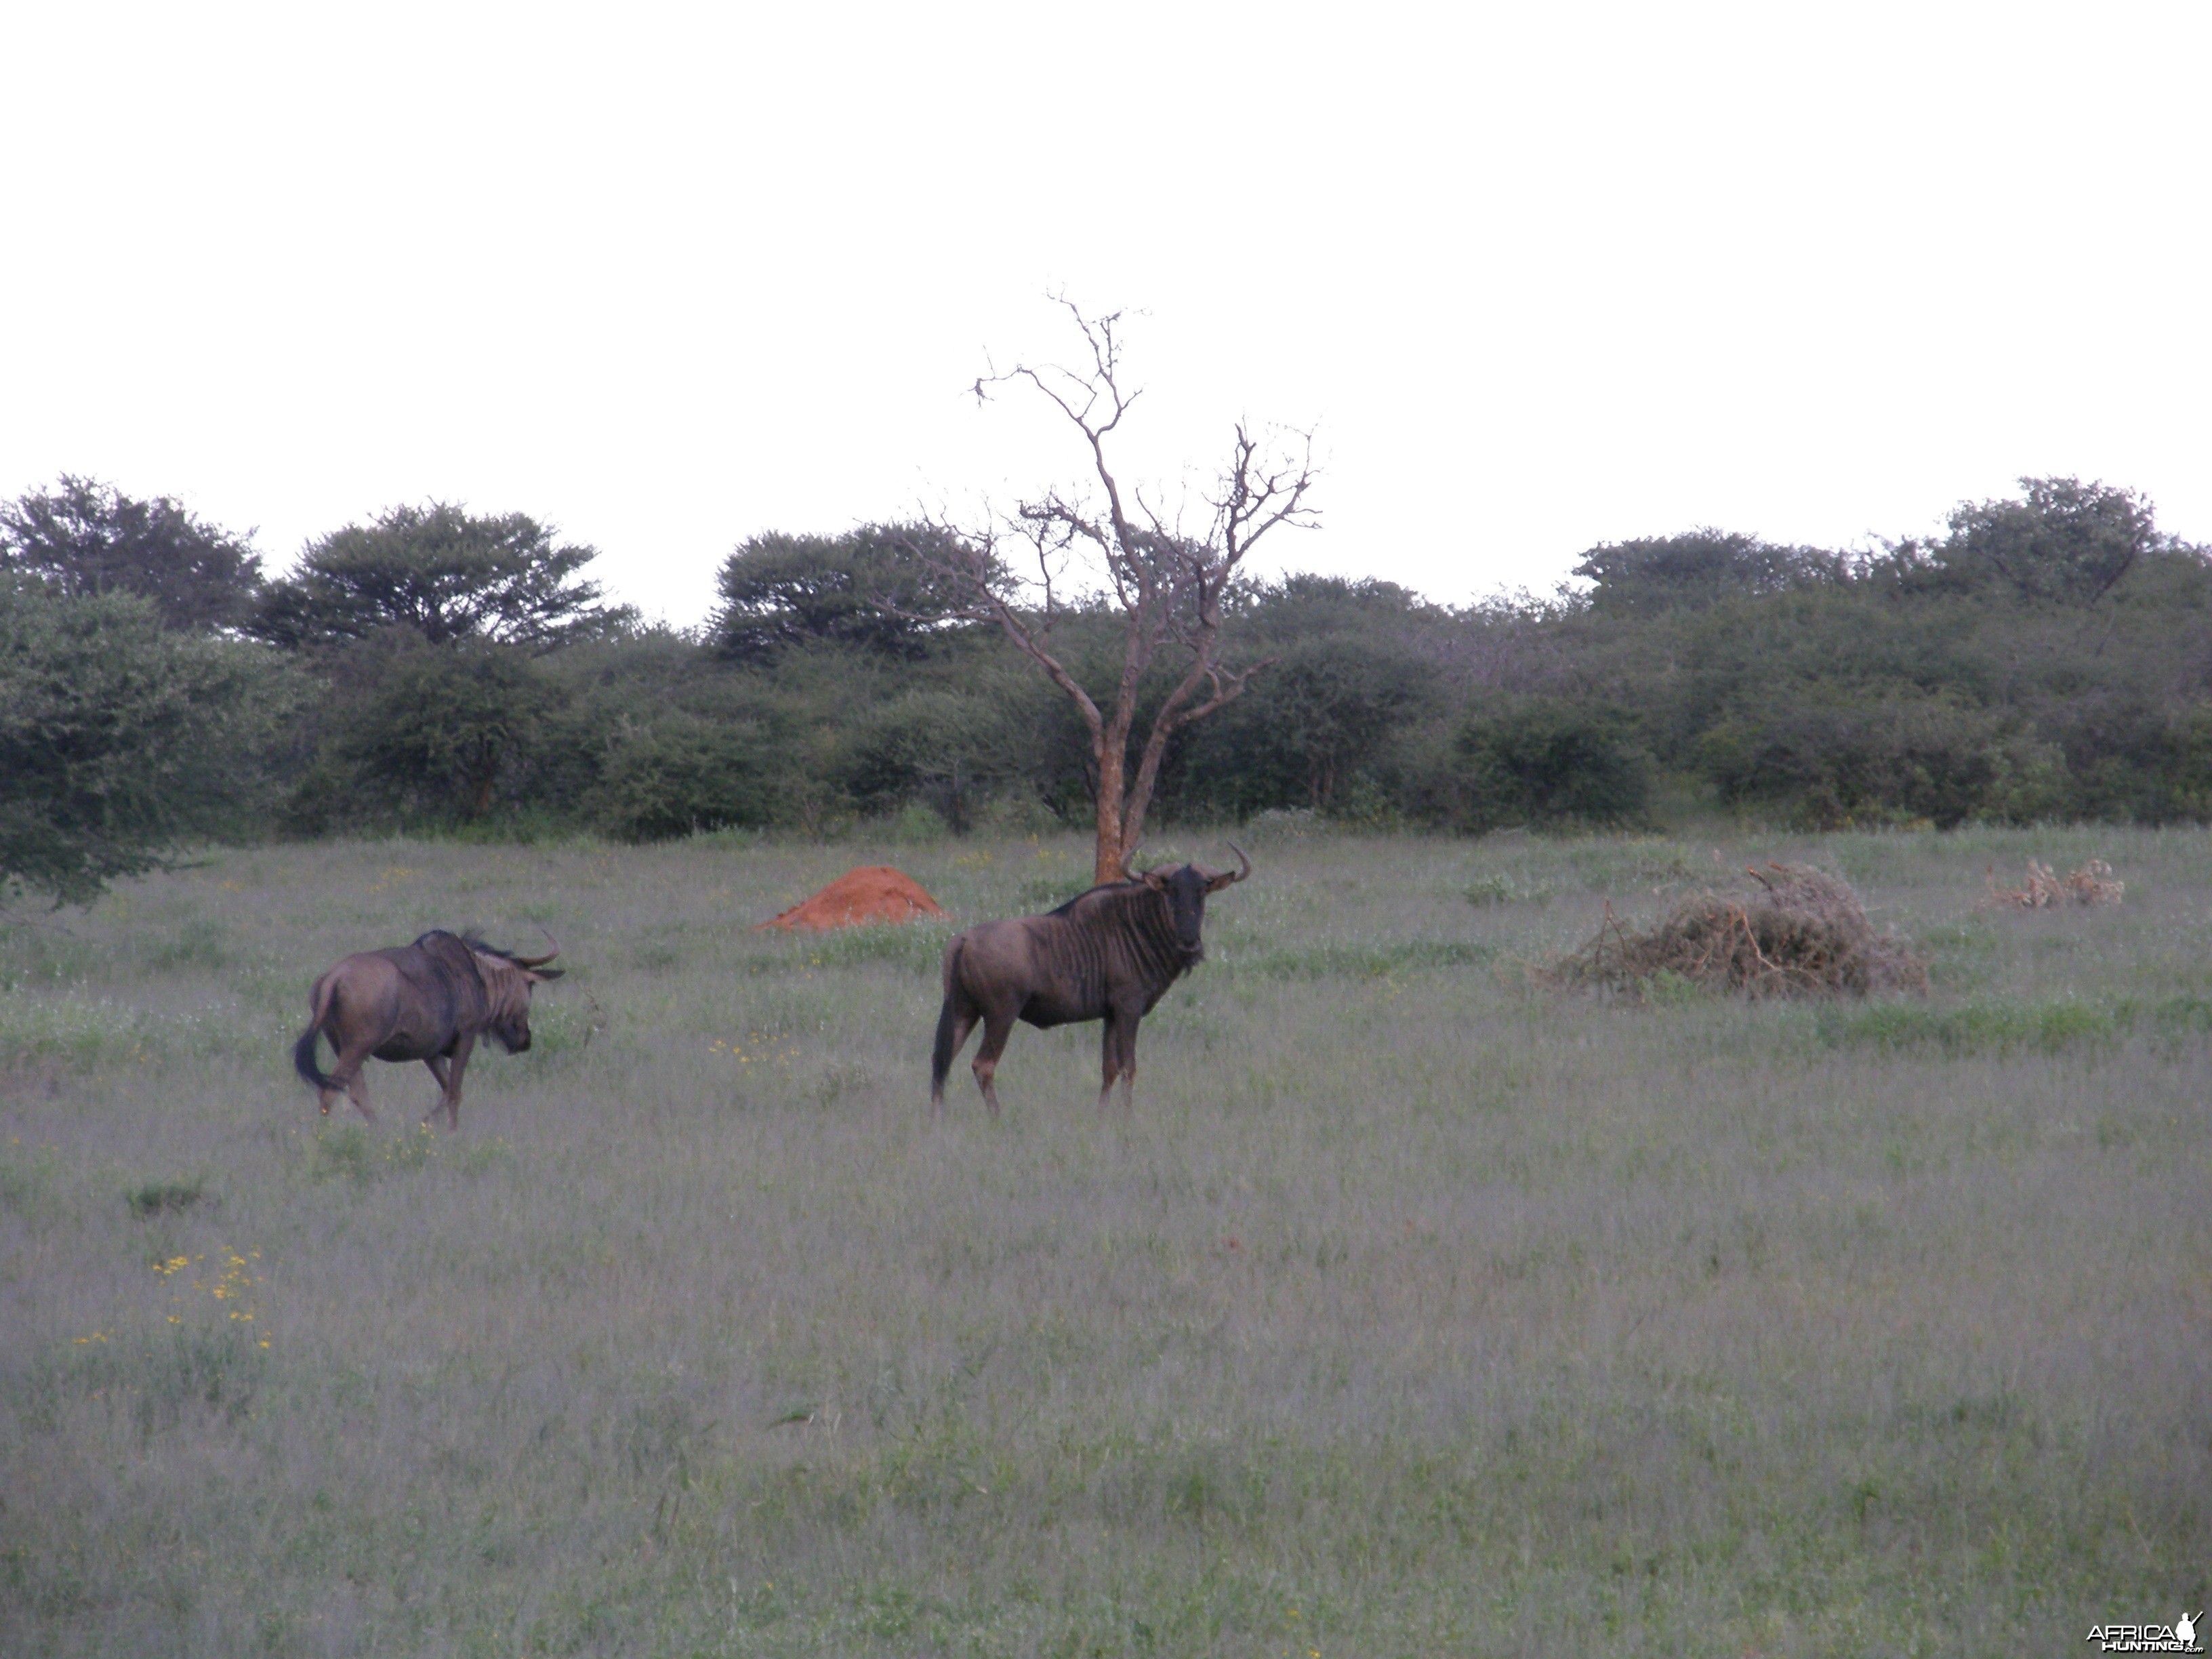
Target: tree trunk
[{"x": 1106, "y": 865}]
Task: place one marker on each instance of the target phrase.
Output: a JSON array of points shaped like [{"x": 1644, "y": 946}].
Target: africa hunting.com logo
[{"x": 2180, "y": 1637}]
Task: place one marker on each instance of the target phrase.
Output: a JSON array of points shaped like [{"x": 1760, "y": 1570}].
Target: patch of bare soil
[{"x": 874, "y": 892}]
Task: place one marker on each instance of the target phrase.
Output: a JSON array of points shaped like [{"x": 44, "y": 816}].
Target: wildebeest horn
[
  {"x": 1128, "y": 859},
  {"x": 1218, "y": 880},
  {"x": 539, "y": 962}
]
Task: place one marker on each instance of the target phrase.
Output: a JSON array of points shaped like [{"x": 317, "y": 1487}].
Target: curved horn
[
  {"x": 539, "y": 962},
  {"x": 1218, "y": 880},
  {"x": 1130, "y": 858}
]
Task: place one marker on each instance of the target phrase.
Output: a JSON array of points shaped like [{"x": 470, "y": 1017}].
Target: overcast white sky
[{"x": 1541, "y": 275}]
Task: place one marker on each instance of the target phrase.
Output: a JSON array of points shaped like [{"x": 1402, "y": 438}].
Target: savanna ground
[{"x": 1418, "y": 1311}]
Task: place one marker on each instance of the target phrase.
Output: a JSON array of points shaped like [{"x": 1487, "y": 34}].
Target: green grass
[
  {"x": 1416, "y": 1310},
  {"x": 2001, "y": 1028}
]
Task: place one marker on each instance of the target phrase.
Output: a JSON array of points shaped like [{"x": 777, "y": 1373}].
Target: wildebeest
[
  {"x": 430, "y": 1001},
  {"x": 1108, "y": 954}
]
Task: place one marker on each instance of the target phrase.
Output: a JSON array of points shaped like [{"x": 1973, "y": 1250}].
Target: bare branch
[{"x": 1168, "y": 586}]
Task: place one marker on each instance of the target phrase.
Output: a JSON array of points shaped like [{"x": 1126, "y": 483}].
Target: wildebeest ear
[
  {"x": 539, "y": 976},
  {"x": 1215, "y": 881},
  {"x": 1154, "y": 880}
]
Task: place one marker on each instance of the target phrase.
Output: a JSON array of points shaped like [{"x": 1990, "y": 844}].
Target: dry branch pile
[
  {"x": 2092, "y": 884},
  {"x": 1797, "y": 932}
]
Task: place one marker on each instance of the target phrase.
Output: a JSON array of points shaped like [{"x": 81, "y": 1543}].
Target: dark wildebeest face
[
  {"x": 507, "y": 981},
  {"x": 1185, "y": 888}
]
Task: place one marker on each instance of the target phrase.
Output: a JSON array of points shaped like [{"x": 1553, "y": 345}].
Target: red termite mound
[{"x": 874, "y": 892}]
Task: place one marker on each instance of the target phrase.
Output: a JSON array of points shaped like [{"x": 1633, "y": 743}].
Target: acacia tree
[
  {"x": 444, "y": 573},
  {"x": 780, "y": 591},
  {"x": 85, "y": 536},
  {"x": 1166, "y": 584}
]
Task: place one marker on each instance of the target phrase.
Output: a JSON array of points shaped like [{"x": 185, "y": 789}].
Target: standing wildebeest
[
  {"x": 1108, "y": 954},
  {"x": 430, "y": 1001}
]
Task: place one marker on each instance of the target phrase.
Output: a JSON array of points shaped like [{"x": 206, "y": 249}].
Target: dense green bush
[
  {"x": 120, "y": 738},
  {"x": 436, "y": 732},
  {"x": 683, "y": 773},
  {"x": 1544, "y": 762},
  {"x": 1322, "y": 727},
  {"x": 2044, "y": 659},
  {"x": 1833, "y": 761}
]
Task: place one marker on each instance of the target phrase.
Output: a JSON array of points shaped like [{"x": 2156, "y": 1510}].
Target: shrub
[
  {"x": 1832, "y": 760},
  {"x": 436, "y": 730},
  {"x": 683, "y": 773},
  {"x": 1542, "y": 761},
  {"x": 119, "y": 739},
  {"x": 918, "y": 825}
]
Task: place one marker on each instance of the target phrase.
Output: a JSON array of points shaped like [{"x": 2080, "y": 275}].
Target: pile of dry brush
[
  {"x": 2092, "y": 884},
  {"x": 1795, "y": 931}
]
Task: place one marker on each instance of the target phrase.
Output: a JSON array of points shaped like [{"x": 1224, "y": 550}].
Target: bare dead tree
[{"x": 1167, "y": 584}]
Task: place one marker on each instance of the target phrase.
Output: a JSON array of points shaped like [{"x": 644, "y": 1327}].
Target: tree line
[{"x": 435, "y": 670}]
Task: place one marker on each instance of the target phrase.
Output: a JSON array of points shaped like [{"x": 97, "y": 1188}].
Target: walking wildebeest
[
  {"x": 430, "y": 1001},
  {"x": 1108, "y": 954}
]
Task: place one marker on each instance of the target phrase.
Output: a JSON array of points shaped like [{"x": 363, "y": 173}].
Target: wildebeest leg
[
  {"x": 1125, "y": 1031},
  {"x": 350, "y": 1073},
  {"x": 439, "y": 1070},
  {"x": 1109, "y": 1058},
  {"x": 997, "y": 1028},
  {"x": 952, "y": 1036},
  {"x": 463, "y": 1047}
]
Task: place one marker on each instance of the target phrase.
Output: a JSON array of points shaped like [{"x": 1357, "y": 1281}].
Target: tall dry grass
[{"x": 1416, "y": 1311}]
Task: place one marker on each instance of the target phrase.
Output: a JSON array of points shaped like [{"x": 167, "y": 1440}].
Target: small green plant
[
  {"x": 916, "y": 945},
  {"x": 202, "y": 942},
  {"x": 1502, "y": 888},
  {"x": 1284, "y": 823},
  {"x": 919, "y": 825},
  {"x": 1669, "y": 989},
  {"x": 343, "y": 1152},
  {"x": 1017, "y": 815},
  {"x": 478, "y": 1158},
  {"x": 1364, "y": 803},
  {"x": 350, "y": 1152},
  {"x": 161, "y": 1197},
  {"x": 27, "y": 1176}
]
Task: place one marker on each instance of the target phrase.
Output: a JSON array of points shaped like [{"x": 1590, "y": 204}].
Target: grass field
[{"x": 1417, "y": 1310}]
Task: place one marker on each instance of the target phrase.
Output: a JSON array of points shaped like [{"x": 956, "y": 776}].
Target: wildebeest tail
[
  {"x": 941, "y": 1059},
  {"x": 303, "y": 1051}
]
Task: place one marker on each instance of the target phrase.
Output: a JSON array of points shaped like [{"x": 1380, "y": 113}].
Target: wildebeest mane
[
  {"x": 448, "y": 962},
  {"x": 475, "y": 942},
  {"x": 1102, "y": 887}
]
